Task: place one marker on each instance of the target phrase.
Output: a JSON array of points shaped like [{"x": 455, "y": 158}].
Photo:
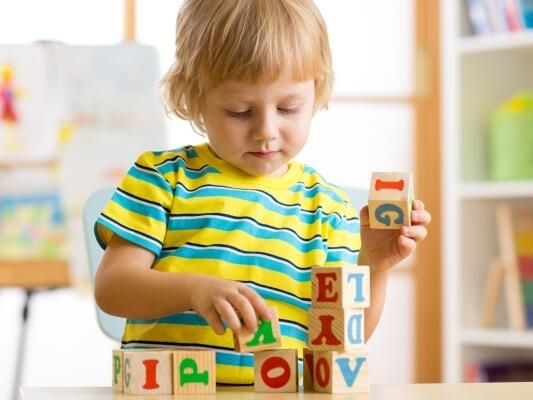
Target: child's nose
[{"x": 265, "y": 128}]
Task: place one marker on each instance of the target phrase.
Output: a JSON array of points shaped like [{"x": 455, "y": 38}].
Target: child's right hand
[{"x": 216, "y": 299}]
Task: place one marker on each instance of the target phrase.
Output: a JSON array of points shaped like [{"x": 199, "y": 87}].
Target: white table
[{"x": 462, "y": 391}]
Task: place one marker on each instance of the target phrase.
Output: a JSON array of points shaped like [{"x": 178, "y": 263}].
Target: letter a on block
[
  {"x": 194, "y": 372},
  {"x": 341, "y": 372},
  {"x": 267, "y": 336},
  {"x": 390, "y": 199},
  {"x": 336, "y": 329},
  {"x": 147, "y": 372}
]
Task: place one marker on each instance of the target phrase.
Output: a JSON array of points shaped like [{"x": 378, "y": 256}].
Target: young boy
[{"x": 236, "y": 222}]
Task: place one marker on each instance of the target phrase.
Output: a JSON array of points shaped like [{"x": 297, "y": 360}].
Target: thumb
[{"x": 364, "y": 218}]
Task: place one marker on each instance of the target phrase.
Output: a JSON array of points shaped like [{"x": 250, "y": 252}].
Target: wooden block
[
  {"x": 390, "y": 199},
  {"x": 341, "y": 372},
  {"x": 336, "y": 329},
  {"x": 267, "y": 336},
  {"x": 308, "y": 368},
  {"x": 118, "y": 371},
  {"x": 340, "y": 287},
  {"x": 276, "y": 370},
  {"x": 147, "y": 372},
  {"x": 194, "y": 372}
]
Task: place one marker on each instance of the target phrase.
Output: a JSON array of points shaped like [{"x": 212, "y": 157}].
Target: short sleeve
[
  {"x": 139, "y": 208},
  {"x": 344, "y": 240}
]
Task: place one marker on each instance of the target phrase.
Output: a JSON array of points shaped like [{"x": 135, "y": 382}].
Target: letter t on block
[
  {"x": 340, "y": 287},
  {"x": 390, "y": 199}
]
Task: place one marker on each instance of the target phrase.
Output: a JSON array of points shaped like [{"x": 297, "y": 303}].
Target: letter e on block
[
  {"x": 194, "y": 372},
  {"x": 340, "y": 287},
  {"x": 147, "y": 372},
  {"x": 390, "y": 199},
  {"x": 341, "y": 372},
  {"x": 276, "y": 370}
]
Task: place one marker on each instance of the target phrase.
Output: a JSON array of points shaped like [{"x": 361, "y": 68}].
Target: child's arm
[
  {"x": 382, "y": 249},
  {"x": 126, "y": 286}
]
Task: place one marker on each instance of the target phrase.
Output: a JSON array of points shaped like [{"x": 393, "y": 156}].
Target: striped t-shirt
[{"x": 199, "y": 214}]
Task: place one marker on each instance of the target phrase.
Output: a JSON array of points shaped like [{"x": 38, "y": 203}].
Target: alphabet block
[
  {"x": 147, "y": 372},
  {"x": 308, "y": 369},
  {"x": 267, "y": 336},
  {"x": 336, "y": 329},
  {"x": 390, "y": 199},
  {"x": 340, "y": 287},
  {"x": 276, "y": 370},
  {"x": 118, "y": 372},
  {"x": 194, "y": 372},
  {"x": 341, "y": 372}
]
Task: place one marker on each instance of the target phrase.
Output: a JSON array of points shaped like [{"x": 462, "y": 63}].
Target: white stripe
[{"x": 144, "y": 238}]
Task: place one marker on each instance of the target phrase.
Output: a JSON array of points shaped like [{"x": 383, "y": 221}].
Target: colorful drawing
[{"x": 8, "y": 113}]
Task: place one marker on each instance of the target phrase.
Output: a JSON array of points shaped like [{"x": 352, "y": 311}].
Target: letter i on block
[
  {"x": 267, "y": 336},
  {"x": 194, "y": 372},
  {"x": 276, "y": 370},
  {"x": 118, "y": 372},
  {"x": 147, "y": 372},
  {"x": 390, "y": 199},
  {"x": 341, "y": 372},
  {"x": 340, "y": 287}
]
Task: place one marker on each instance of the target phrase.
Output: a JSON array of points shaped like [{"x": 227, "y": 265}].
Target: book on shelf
[
  {"x": 499, "y": 371},
  {"x": 498, "y": 16},
  {"x": 524, "y": 250}
]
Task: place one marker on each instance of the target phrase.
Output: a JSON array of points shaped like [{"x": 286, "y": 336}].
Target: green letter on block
[{"x": 193, "y": 375}]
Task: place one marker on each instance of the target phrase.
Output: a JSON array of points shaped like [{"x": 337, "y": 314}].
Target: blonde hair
[{"x": 244, "y": 40}]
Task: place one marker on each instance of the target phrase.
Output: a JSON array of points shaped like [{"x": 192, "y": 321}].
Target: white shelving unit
[{"x": 478, "y": 74}]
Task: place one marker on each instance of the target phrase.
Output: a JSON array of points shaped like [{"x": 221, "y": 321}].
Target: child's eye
[
  {"x": 288, "y": 110},
  {"x": 239, "y": 114}
]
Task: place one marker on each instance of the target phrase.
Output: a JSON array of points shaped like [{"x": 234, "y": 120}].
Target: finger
[
  {"x": 245, "y": 310},
  {"x": 364, "y": 217},
  {"x": 406, "y": 245},
  {"x": 418, "y": 205},
  {"x": 420, "y": 217},
  {"x": 415, "y": 232},
  {"x": 228, "y": 314},
  {"x": 213, "y": 319},
  {"x": 258, "y": 303}
]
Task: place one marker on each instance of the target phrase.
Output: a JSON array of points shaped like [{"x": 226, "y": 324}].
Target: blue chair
[
  {"x": 358, "y": 196},
  {"x": 112, "y": 326}
]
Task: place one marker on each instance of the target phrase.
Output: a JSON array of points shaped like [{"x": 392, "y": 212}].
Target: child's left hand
[{"x": 382, "y": 249}]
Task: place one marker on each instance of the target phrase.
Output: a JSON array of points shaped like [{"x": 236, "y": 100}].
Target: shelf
[
  {"x": 496, "y": 42},
  {"x": 498, "y": 338},
  {"x": 497, "y": 190}
]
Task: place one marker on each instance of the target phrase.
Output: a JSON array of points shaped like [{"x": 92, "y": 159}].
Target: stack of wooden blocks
[{"x": 336, "y": 361}]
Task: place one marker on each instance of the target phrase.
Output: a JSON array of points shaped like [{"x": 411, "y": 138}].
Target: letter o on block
[{"x": 276, "y": 370}]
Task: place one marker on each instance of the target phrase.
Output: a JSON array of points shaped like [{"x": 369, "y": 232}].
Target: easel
[{"x": 504, "y": 268}]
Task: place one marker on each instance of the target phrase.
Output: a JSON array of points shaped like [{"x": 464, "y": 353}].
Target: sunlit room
[{"x": 363, "y": 173}]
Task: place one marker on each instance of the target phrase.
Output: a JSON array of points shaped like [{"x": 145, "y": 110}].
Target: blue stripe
[
  {"x": 229, "y": 224},
  {"x": 179, "y": 163},
  {"x": 293, "y": 332},
  {"x": 316, "y": 189},
  {"x": 129, "y": 235},
  {"x": 259, "y": 197},
  {"x": 234, "y": 359},
  {"x": 341, "y": 256},
  {"x": 249, "y": 260},
  {"x": 138, "y": 207},
  {"x": 154, "y": 178}
]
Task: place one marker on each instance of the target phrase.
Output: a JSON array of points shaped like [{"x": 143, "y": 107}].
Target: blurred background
[{"x": 437, "y": 88}]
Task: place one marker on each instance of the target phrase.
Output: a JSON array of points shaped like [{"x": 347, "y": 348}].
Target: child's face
[{"x": 259, "y": 128}]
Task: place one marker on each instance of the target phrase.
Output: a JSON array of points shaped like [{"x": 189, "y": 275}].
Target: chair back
[{"x": 112, "y": 326}]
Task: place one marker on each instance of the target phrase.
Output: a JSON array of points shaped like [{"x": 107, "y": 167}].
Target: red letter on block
[
  {"x": 278, "y": 381},
  {"x": 326, "y": 332},
  {"x": 324, "y": 286},
  {"x": 323, "y": 372},
  {"x": 150, "y": 378}
]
